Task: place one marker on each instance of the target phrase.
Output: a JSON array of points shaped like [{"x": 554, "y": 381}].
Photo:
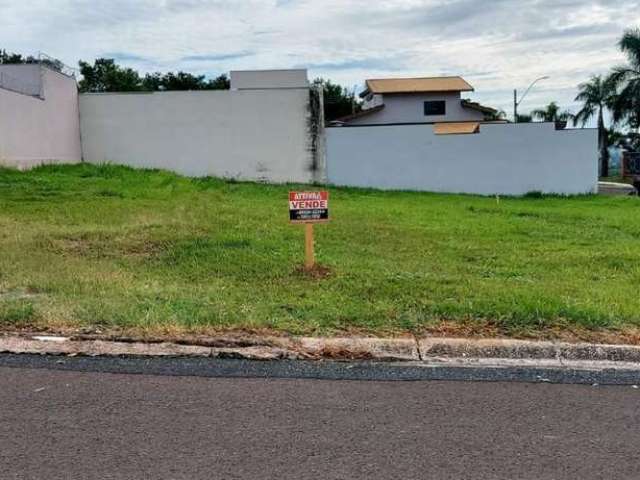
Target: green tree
[
  {"x": 551, "y": 113},
  {"x": 221, "y": 82},
  {"x": 627, "y": 80},
  {"x": 106, "y": 76},
  {"x": 183, "y": 81},
  {"x": 597, "y": 95},
  {"x": 338, "y": 100},
  {"x": 524, "y": 118},
  {"x": 11, "y": 58},
  {"x": 152, "y": 81},
  {"x": 17, "y": 58}
]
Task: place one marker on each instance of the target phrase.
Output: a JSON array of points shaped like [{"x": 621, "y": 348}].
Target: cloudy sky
[{"x": 497, "y": 45}]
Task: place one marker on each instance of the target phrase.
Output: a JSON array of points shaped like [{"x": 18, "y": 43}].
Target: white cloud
[{"x": 497, "y": 45}]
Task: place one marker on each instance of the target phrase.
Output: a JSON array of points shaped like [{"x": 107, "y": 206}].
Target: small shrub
[{"x": 534, "y": 194}]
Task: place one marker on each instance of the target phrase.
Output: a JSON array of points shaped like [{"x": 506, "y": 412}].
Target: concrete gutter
[
  {"x": 614, "y": 188},
  {"x": 425, "y": 351}
]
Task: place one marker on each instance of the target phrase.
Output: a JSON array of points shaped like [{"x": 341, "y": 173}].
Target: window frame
[{"x": 443, "y": 103}]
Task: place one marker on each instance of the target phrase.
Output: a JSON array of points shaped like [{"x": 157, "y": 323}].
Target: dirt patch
[
  {"x": 318, "y": 272},
  {"x": 100, "y": 245},
  {"x": 27, "y": 293},
  {"x": 333, "y": 352},
  {"x": 144, "y": 248}
]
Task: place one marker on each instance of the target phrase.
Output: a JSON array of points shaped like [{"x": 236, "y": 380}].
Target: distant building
[{"x": 394, "y": 101}]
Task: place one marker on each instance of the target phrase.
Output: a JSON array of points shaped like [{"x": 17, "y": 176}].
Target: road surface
[{"x": 94, "y": 425}]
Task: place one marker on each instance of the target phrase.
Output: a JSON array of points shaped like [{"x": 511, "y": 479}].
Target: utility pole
[{"x": 517, "y": 102}]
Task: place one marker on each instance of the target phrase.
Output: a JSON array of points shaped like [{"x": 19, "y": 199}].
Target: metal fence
[{"x": 55, "y": 64}]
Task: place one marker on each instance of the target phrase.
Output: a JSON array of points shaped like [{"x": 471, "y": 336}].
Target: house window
[{"x": 437, "y": 107}]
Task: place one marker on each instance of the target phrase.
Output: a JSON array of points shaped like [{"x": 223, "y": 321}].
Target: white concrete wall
[
  {"x": 502, "y": 159},
  {"x": 264, "y": 79},
  {"x": 22, "y": 78},
  {"x": 245, "y": 134},
  {"x": 36, "y": 130},
  {"x": 409, "y": 108}
]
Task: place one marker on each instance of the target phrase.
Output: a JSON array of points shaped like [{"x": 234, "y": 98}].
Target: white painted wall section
[
  {"x": 36, "y": 130},
  {"x": 22, "y": 78},
  {"x": 504, "y": 159},
  {"x": 268, "y": 79},
  {"x": 409, "y": 108},
  {"x": 244, "y": 134}
]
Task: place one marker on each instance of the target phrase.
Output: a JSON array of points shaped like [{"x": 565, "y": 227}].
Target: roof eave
[
  {"x": 365, "y": 92},
  {"x": 383, "y": 92},
  {"x": 478, "y": 107},
  {"x": 361, "y": 113}
]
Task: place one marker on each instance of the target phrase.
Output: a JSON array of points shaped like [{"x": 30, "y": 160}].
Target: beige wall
[
  {"x": 259, "y": 135},
  {"x": 36, "y": 130}
]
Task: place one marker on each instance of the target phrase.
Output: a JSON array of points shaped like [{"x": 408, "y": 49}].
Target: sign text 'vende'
[{"x": 308, "y": 207}]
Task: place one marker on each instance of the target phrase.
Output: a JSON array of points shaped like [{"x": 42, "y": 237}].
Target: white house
[
  {"x": 421, "y": 134},
  {"x": 397, "y": 101}
]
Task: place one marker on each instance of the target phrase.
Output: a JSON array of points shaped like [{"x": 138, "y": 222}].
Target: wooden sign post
[
  {"x": 309, "y": 251},
  {"x": 309, "y": 208}
]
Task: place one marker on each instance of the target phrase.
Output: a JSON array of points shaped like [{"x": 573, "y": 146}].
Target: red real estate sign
[{"x": 308, "y": 207}]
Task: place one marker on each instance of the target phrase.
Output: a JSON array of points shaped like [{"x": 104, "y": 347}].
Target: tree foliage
[
  {"x": 105, "y": 75},
  {"x": 183, "y": 81},
  {"x": 551, "y": 113},
  {"x": 597, "y": 95},
  {"x": 338, "y": 100},
  {"x": 14, "y": 58},
  {"x": 19, "y": 59},
  {"x": 626, "y": 79}
]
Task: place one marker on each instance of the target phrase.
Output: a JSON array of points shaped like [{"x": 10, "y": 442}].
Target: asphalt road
[{"x": 58, "y": 424}]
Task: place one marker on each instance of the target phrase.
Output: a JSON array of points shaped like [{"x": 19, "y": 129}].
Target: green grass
[{"x": 113, "y": 248}]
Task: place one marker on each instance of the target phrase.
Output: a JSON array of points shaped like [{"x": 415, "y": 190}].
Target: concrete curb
[
  {"x": 523, "y": 349},
  {"x": 425, "y": 350}
]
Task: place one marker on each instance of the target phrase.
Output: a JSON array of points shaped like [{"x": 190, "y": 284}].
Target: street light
[{"x": 516, "y": 103}]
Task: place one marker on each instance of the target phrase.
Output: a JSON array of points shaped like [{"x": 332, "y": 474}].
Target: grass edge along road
[{"x": 112, "y": 248}]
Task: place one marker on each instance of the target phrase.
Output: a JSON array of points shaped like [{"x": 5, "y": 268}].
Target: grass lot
[{"x": 112, "y": 248}]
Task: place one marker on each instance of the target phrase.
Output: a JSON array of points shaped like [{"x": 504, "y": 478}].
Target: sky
[{"x": 496, "y": 45}]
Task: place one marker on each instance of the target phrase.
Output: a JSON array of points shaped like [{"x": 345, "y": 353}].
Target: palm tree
[
  {"x": 627, "y": 80},
  {"x": 597, "y": 95},
  {"x": 551, "y": 113}
]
